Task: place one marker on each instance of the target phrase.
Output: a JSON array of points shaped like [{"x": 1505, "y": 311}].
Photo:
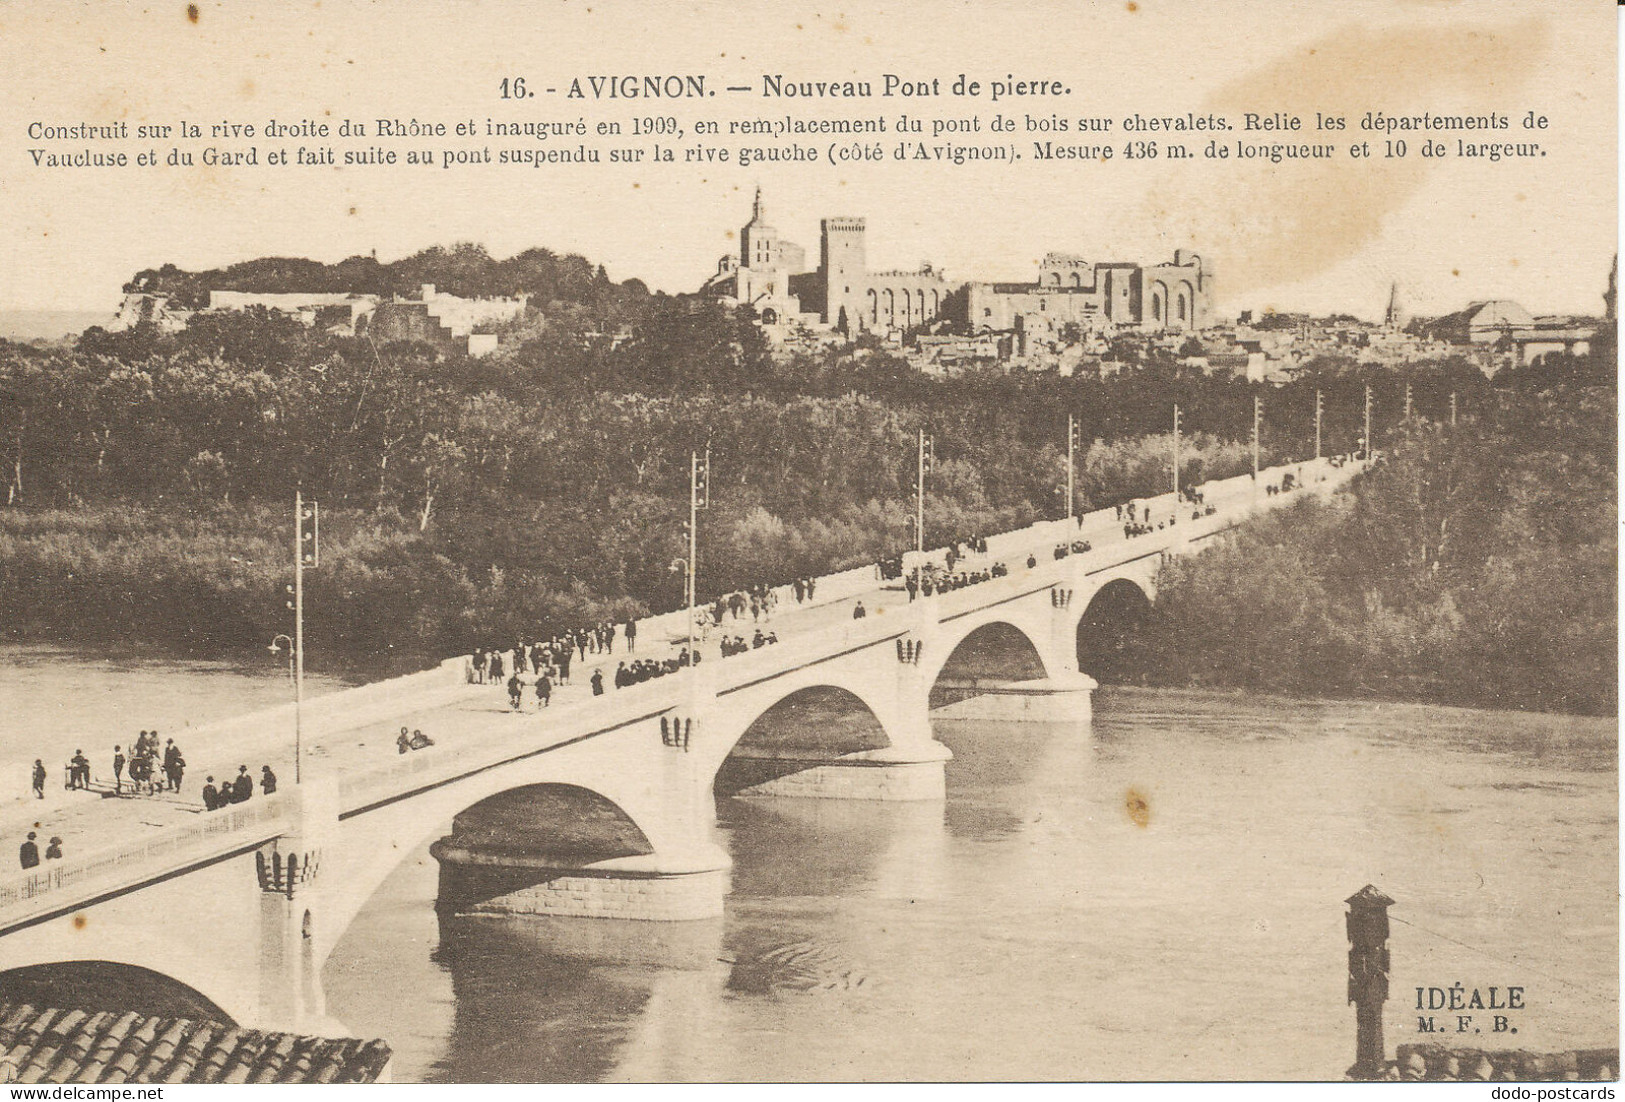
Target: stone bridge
[{"x": 596, "y": 807}]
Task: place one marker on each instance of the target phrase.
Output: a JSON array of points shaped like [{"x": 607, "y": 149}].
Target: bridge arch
[
  {"x": 530, "y": 802},
  {"x": 1000, "y": 641},
  {"x": 995, "y": 651},
  {"x": 548, "y": 818},
  {"x": 127, "y": 976},
  {"x": 1107, "y": 624},
  {"x": 813, "y": 723}
]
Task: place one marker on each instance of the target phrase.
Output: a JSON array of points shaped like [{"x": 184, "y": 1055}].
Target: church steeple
[{"x": 757, "y": 240}]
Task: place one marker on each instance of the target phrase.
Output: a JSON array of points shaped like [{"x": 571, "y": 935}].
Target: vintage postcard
[{"x": 697, "y": 542}]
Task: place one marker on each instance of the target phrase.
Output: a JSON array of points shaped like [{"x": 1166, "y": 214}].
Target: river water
[{"x": 1155, "y": 895}]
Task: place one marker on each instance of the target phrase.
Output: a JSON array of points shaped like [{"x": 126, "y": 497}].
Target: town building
[
  {"x": 1100, "y": 297},
  {"x": 842, "y": 294}
]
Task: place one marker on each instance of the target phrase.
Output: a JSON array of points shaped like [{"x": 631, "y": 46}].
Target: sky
[{"x": 1324, "y": 235}]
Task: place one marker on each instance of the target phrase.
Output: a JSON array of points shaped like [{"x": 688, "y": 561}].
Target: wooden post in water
[{"x": 1368, "y": 977}]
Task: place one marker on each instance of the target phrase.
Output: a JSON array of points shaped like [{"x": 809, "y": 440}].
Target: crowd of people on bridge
[
  {"x": 148, "y": 769},
  {"x": 758, "y": 600},
  {"x": 737, "y": 644},
  {"x": 647, "y": 669},
  {"x": 237, "y": 790},
  {"x": 925, "y": 583},
  {"x": 552, "y": 656}
]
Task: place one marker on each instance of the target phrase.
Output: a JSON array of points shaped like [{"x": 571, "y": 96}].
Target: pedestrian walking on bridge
[{"x": 39, "y": 779}]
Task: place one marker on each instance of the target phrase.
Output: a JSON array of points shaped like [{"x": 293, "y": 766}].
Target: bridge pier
[
  {"x": 909, "y": 772},
  {"x": 291, "y": 907},
  {"x": 649, "y": 887},
  {"x": 1068, "y": 698}
]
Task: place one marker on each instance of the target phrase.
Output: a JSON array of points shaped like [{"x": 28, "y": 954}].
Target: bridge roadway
[{"x": 113, "y": 844}]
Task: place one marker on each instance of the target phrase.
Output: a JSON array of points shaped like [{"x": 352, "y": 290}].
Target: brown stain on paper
[
  {"x": 1273, "y": 223},
  {"x": 1137, "y": 807}
]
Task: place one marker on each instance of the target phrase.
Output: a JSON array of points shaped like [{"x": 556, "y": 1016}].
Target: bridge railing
[
  {"x": 508, "y": 735},
  {"x": 80, "y": 875}
]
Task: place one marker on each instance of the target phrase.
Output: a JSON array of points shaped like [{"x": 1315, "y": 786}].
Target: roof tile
[{"x": 75, "y": 1046}]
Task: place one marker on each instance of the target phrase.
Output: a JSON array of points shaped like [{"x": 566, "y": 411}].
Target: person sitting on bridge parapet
[
  {"x": 28, "y": 852},
  {"x": 267, "y": 780},
  {"x": 242, "y": 789},
  {"x": 211, "y": 798},
  {"x": 53, "y": 852},
  {"x": 420, "y": 741}
]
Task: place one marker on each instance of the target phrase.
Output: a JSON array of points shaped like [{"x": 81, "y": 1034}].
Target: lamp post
[
  {"x": 1176, "y": 455},
  {"x": 1367, "y": 456},
  {"x": 1071, "y": 465},
  {"x": 1258, "y": 417},
  {"x": 298, "y": 695},
  {"x": 923, "y": 468},
  {"x": 699, "y": 497},
  {"x": 306, "y": 553},
  {"x": 1317, "y": 423}
]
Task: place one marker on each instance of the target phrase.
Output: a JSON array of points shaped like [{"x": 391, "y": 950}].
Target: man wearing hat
[{"x": 29, "y": 853}]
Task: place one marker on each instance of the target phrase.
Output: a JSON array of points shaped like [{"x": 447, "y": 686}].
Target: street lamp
[{"x": 298, "y": 695}]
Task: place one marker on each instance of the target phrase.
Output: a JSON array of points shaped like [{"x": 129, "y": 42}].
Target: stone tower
[{"x": 843, "y": 264}]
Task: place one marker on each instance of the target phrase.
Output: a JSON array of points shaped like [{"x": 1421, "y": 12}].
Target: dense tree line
[
  {"x": 1476, "y": 565},
  {"x": 150, "y": 474}
]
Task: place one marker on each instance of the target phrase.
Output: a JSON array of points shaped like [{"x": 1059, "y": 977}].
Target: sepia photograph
[{"x": 697, "y": 542}]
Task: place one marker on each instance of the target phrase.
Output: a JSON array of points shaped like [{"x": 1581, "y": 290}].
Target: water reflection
[
  {"x": 524, "y": 1015},
  {"x": 1042, "y": 924},
  {"x": 809, "y": 847}
]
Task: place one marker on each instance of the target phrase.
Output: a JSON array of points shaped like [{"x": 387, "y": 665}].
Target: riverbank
[{"x": 1473, "y": 566}]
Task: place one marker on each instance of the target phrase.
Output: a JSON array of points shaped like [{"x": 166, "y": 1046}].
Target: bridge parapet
[{"x": 65, "y": 883}]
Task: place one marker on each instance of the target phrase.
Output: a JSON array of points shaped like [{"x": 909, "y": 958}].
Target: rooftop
[{"x": 78, "y": 1046}]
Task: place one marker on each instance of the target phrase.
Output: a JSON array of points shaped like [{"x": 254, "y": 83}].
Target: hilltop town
[{"x": 1077, "y": 317}]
